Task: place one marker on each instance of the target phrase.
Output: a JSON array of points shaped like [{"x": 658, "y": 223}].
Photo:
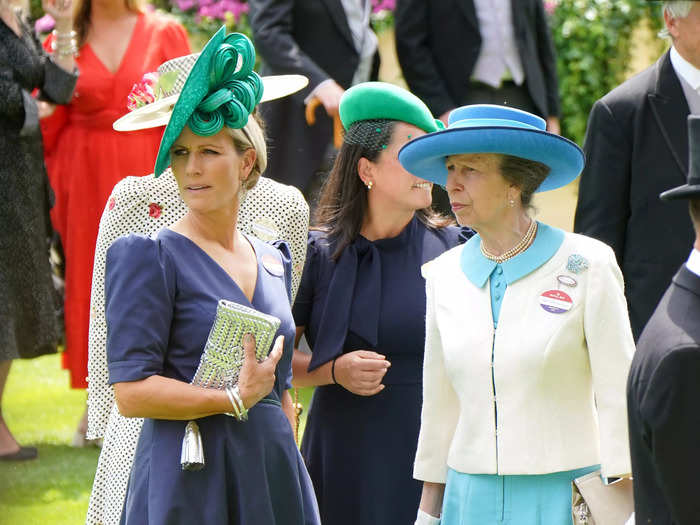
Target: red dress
[{"x": 85, "y": 158}]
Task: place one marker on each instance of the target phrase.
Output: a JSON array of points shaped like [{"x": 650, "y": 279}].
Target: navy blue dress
[
  {"x": 360, "y": 450},
  {"x": 161, "y": 297}
]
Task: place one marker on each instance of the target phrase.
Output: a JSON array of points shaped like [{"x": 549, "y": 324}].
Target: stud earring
[
  {"x": 512, "y": 203},
  {"x": 369, "y": 184}
]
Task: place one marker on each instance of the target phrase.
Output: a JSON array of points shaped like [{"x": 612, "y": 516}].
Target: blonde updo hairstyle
[{"x": 251, "y": 136}]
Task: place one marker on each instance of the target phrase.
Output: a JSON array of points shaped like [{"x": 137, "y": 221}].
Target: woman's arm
[
  {"x": 361, "y": 372},
  {"x": 160, "y": 397},
  {"x": 431, "y": 500}
]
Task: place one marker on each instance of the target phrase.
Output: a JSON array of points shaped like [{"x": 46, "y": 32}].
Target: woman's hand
[
  {"x": 58, "y": 9},
  {"x": 361, "y": 372},
  {"x": 46, "y": 109},
  {"x": 256, "y": 380}
]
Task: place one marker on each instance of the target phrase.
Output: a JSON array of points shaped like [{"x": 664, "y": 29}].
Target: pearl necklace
[{"x": 523, "y": 245}]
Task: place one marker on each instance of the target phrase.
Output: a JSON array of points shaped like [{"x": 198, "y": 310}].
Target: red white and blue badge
[
  {"x": 556, "y": 301},
  {"x": 273, "y": 265}
]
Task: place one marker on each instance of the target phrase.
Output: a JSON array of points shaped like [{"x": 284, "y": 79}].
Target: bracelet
[
  {"x": 335, "y": 382},
  {"x": 64, "y": 45},
  {"x": 240, "y": 412},
  {"x": 232, "y": 400}
]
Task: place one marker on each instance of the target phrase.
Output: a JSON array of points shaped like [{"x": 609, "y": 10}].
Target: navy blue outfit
[
  {"x": 360, "y": 450},
  {"x": 161, "y": 297}
]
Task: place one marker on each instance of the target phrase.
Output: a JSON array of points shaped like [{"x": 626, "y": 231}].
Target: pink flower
[
  {"x": 143, "y": 92},
  {"x": 45, "y": 24},
  {"x": 154, "y": 210},
  {"x": 550, "y": 6},
  {"x": 383, "y": 5}
]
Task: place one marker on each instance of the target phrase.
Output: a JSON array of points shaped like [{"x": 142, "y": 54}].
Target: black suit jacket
[
  {"x": 438, "y": 43},
  {"x": 306, "y": 37},
  {"x": 636, "y": 146},
  {"x": 663, "y": 399}
]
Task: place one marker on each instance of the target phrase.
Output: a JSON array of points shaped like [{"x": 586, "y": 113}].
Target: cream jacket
[{"x": 559, "y": 379}]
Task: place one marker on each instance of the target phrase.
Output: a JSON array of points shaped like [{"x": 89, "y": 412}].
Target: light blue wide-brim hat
[{"x": 486, "y": 128}]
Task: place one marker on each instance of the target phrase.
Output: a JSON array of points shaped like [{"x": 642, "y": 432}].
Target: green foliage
[{"x": 593, "y": 41}]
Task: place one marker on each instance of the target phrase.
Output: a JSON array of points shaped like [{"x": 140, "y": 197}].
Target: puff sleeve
[
  {"x": 139, "y": 303},
  {"x": 610, "y": 348},
  {"x": 440, "y": 410}
]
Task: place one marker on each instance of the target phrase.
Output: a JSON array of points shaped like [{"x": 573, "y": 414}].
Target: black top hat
[{"x": 692, "y": 189}]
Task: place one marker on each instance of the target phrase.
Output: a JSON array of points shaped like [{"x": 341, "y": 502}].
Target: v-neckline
[
  {"x": 126, "y": 51},
  {"x": 251, "y": 299}
]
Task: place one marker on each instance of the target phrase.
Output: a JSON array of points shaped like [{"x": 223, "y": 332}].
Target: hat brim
[
  {"x": 149, "y": 116},
  {"x": 425, "y": 156},
  {"x": 159, "y": 112},
  {"x": 687, "y": 191}
]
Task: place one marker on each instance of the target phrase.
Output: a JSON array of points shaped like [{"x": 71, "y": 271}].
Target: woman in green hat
[
  {"x": 361, "y": 305},
  {"x": 161, "y": 297}
]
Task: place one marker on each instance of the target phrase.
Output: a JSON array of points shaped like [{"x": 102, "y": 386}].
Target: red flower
[
  {"x": 112, "y": 203},
  {"x": 154, "y": 210}
]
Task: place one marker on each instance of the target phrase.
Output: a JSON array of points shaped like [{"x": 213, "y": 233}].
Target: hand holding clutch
[{"x": 256, "y": 380}]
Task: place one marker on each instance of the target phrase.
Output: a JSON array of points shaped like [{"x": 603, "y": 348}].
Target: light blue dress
[{"x": 486, "y": 499}]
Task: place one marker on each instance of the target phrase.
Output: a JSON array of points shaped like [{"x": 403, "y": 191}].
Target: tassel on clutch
[{"x": 222, "y": 360}]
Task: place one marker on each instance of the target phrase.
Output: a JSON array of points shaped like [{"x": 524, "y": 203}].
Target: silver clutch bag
[{"x": 222, "y": 360}]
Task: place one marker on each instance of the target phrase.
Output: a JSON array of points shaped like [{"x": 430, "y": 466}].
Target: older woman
[
  {"x": 528, "y": 341},
  {"x": 360, "y": 297},
  {"x": 161, "y": 298}
]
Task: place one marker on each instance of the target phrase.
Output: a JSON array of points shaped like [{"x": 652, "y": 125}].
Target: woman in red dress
[{"x": 118, "y": 43}]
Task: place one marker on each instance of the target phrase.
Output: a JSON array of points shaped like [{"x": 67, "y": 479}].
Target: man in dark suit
[
  {"x": 331, "y": 43},
  {"x": 453, "y": 51},
  {"x": 458, "y": 52},
  {"x": 663, "y": 389},
  {"x": 636, "y": 147}
]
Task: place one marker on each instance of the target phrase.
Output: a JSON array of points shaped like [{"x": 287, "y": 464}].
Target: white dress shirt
[
  {"x": 689, "y": 77},
  {"x": 685, "y": 69},
  {"x": 693, "y": 263},
  {"x": 498, "y": 56}
]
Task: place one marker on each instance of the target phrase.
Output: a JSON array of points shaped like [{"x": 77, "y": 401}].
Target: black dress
[
  {"x": 360, "y": 450},
  {"x": 28, "y": 326}
]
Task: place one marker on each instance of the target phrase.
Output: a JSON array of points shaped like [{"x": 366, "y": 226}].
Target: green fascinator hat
[
  {"x": 383, "y": 101},
  {"x": 221, "y": 90}
]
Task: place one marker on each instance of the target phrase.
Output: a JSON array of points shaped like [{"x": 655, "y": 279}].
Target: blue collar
[{"x": 478, "y": 268}]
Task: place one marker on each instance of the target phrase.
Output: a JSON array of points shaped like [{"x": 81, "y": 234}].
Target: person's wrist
[
  {"x": 64, "y": 25},
  {"x": 333, "y": 378}
]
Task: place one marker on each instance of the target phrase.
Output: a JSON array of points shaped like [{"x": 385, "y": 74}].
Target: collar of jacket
[{"x": 478, "y": 268}]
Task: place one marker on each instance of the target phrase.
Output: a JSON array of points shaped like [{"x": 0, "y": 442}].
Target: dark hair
[
  {"x": 525, "y": 174},
  {"x": 342, "y": 204},
  {"x": 694, "y": 207}
]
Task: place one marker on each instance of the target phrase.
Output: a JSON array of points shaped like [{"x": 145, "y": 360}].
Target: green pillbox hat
[{"x": 380, "y": 100}]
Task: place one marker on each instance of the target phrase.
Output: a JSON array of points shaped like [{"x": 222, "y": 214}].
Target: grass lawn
[{"x": 42, "y": 410}]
